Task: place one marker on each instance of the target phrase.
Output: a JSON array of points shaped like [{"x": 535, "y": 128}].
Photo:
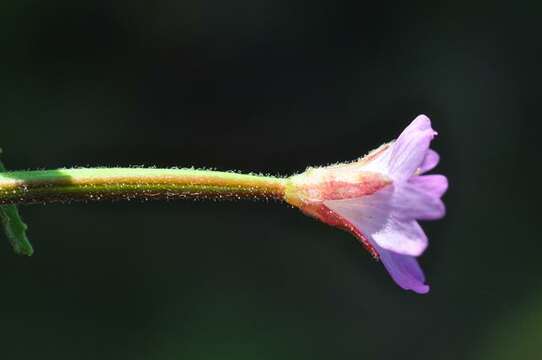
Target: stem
[{"x": 95, "y": 184}]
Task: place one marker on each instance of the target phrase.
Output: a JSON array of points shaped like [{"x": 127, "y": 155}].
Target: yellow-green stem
[{"x": 95, "y": 184}]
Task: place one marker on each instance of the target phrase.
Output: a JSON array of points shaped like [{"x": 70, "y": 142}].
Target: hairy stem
[{"x": 95, "y": 184}]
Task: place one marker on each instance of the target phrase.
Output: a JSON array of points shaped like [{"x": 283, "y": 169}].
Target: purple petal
[
  {"x": 401, "y": 236},
  {"x": 410, "y": 149},
  {"x": 430, "y": 161},
  {"x": 417, "y": 200},
  {"x": 404, "y": 270},
  {"x": 372, "y": 215},
  {"x": 433, "y": 185},
  {"x": 380, "y": 163}
]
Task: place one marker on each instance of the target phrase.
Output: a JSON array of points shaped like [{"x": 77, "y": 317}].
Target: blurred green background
[{"x": 270, "y": 86}]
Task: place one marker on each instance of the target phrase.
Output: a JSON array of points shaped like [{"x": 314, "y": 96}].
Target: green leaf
[
  {"x": 15, "y": 230},
  {"x": 14, "y": 227}
]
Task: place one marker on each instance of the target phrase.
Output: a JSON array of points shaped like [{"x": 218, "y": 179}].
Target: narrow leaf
[{"x": 14, "y": 227}]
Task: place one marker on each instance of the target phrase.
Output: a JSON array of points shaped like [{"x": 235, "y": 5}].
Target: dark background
[{"x": 270, "y": 86}]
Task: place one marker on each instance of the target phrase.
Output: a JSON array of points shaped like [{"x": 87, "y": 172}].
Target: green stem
[{"x": 95, "y": 184}]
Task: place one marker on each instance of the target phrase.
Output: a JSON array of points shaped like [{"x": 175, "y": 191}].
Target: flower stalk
[{"x": 96, "y": 184}]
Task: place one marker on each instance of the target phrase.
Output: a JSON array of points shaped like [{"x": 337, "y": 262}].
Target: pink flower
[{"x": 379, "y": 199}]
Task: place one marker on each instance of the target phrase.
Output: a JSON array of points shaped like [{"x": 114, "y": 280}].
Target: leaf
[{"x": 14, "y": 227}]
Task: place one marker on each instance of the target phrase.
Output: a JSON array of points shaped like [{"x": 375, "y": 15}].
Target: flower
[{"x": 379, "y": 199}]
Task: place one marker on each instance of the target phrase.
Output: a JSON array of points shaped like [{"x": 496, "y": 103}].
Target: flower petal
[
  {"x": 410, "y": 149},
  {"x": 373, "y": 216},
  {"x": 401, "y": 236},
  {"x": 418, "y": 201},
  {"x": 379, "y": 163},
  {"x": 430, "y": 161},
  {"x": 404, "y": 270},
  {"x": 376, "y": 220},
  {"x": 433, "y": 185}
]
